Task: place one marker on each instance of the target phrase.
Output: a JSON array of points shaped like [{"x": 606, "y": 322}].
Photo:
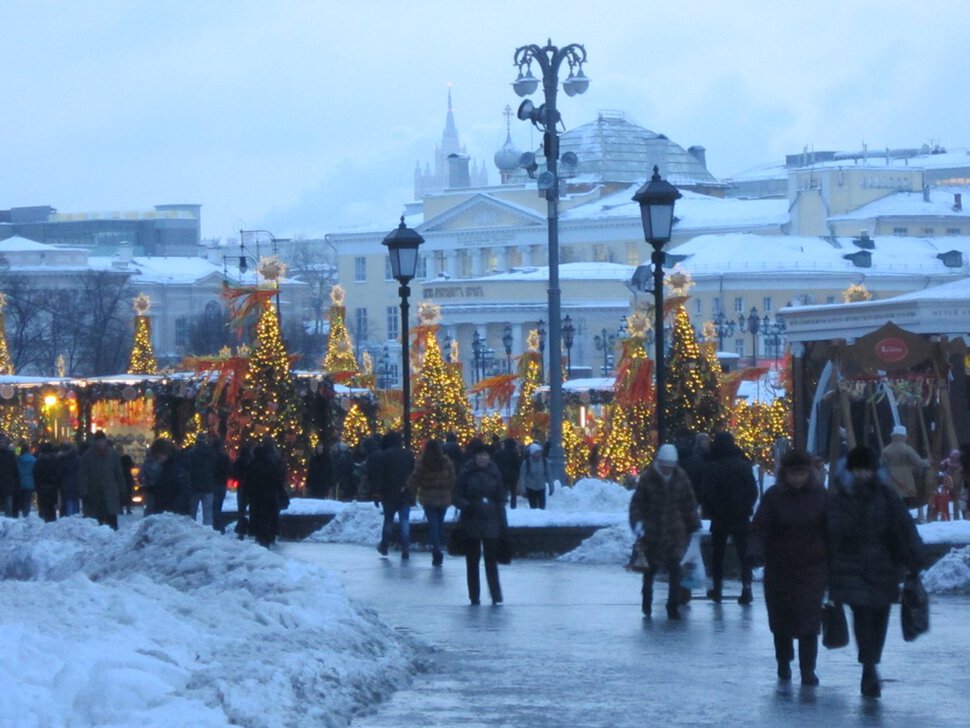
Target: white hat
[
  {"x": 899, "y": 430},
  {"x": 534, "y": 448},
  {"x": 667, "y": 454}
]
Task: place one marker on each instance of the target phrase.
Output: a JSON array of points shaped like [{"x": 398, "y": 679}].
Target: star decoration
[
  {"x": 680, "y": 281},
  {"x": 272, "y": 268},
  {"x": 429, "y": 313},
  {"x": 142, "y": 303},
  {"x": 533, "y": 340},
  {"x": 337, "y": 295}
]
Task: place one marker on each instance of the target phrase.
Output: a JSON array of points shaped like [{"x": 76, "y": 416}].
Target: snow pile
[
  {"x": 591, "y": 495},
  {"x": 166, "y": 620},
  {"x": 610, "y": 545},
  {"x": 358, "y": 523},
  {"x": 954, "y": 532},
  {"x": 951, "y": 574}
]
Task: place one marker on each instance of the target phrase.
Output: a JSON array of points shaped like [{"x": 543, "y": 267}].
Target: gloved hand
[
  {"x": 638, "y": 529},
  {"x": 552, "y": 488},
  {"x": 377, "y": 503}
]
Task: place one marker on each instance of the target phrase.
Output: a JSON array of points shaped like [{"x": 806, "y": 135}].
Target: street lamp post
[
  {"x": 402, "y": 248},
  {"x": 656, "y": 199},
  {"x": 507, "y": 343},
  {"x": 541, "y": 330},
  {"x": 568, "y": 334},
  {"x": 753, "y": 324},
  {"x": 385, "y": 370},
  {"x": 774, "y": 334},
  {"x": 604, "y": 342},
  {"x": 546, "y": 117},
  {"x": 478, "y": 350},
  {"x": 724, "y": 327},
  {"x": 243, "y": 267}
]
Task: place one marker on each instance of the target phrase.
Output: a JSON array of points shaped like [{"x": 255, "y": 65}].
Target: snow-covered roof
[
  {"x": 746, "y": 252},
  {"x": 567, "y": 271},
  {"x": 907, "y": 204},
  {"x": 17, "y": 244},
  {"x": 953, "y": 159}
]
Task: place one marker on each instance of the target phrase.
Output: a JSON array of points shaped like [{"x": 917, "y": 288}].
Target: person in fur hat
[{"x": 663, "y": 515}]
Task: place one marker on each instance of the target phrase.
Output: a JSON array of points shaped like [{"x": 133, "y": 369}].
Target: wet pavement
[{"x": 569, "y": 647}]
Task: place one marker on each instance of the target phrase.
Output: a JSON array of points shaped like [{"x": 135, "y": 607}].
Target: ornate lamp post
[
  {"x": 774, "y": 334},
  {"x": 478, "y": 351},
  {"x": 656, "y": 199},
  {"x": 604, "y": 342},
  {"x": 568, "y": 334},
  {"x": 507, "y": 343},
  {"x": 253, "y": 236},
  {"x": 546, "y": 117},
  {"x": 402, "y": 248},
  {"x": 752, "y": 324},
  {"x": 385, "y": 370},
  {"x": 541, "y": 329},
  {"x": 724, "y": 327}
]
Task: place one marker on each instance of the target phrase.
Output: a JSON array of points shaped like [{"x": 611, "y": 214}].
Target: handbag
[
  {"x": 457, "y": 540},
  {"x": 835, "y": 628},
  {"x": 504, "y": 553},
  {"x": 915, "y": 612},
  {"x": 638, "y": 558}
]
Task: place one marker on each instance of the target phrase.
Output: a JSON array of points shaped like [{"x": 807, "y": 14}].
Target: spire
[{"x": 449, "y": 139}]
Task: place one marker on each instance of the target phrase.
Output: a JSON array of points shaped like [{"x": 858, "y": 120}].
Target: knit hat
[
  {"x": 899, "y": 430},
  {"x": 667, "y": 454},
  {"x": 795, "y": 459},
  {"x": 534, "y": 448},
  {"x": 861, "y": 458}
]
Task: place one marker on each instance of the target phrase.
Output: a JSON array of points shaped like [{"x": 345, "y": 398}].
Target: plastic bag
[
  {"x": 915, "y": 612},
  {"x": 693, "y": 575}
]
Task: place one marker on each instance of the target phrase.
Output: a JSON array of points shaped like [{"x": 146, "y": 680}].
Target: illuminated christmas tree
[
  {"x": 491, "y": 425},
  {"x": 439, "y": 404},
  {"x": 576, "y": 448},
  {"x": 142, "y": 360},
  {"x": 523, "y": 420},
  {"x": 339, "y": 361},
  {"x": 355, "y": 427},
  {"x": 6, "y": 366}
]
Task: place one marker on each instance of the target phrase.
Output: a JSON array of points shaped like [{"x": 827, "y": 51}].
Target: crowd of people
[{"x": 848, "y": 536}]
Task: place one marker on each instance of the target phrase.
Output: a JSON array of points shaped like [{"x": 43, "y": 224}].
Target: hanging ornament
[
  {"x": 6, "y": 391},
  {"x": 128, "y": 394}
]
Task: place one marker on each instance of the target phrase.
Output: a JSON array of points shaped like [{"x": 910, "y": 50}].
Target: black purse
[
  {"x": 504, "y": 553},
  {"x": 915, "y": 611},
  {"x": 457, "y": 540},
  {"x": 835, "y": 627}
]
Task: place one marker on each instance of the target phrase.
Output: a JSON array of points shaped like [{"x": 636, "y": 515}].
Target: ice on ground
[
  {"x": 167, "y": 619},
  {"x": 951, "y": 574}
]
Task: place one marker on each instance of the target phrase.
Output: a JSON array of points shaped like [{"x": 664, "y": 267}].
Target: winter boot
[
  {"x": 807, "y": 656},
  {"x": 784, "y": 670},
  {"x": 382, "y": 548},
  {"x": 745, "y": 598},
  {"x": 647, "y": 602},
  {"x": 714, "y": 594},
  {"x": 437, "y": 558},
  {"x": 672, "y": 611},
  {"x": 870, "y": 681}
]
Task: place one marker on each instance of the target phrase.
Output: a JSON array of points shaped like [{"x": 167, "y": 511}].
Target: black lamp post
[
  {"x": 656, "y": 199},
  {"x": 507, "y": 343},
  {"x": 774, "y": 334},
  {"x": 541, "y": 330},
  {"x": 752, "y": 324},
  {"x": 402, "y": 248},
  {"x": 604, "y": 342},
  {"x": 243, "y": 265},
  {"x": 546, "y": 117},
  {"x": 724, "y": 327},
  {"x": 568, "y": 334},
  {"x": 385, "y": 370}
]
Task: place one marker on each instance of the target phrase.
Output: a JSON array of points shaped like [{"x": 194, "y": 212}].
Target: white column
[
  {"x": 478, "y": 261},
  {"x": 451, "y": 263},
  {"x": 526, "y": 251}
]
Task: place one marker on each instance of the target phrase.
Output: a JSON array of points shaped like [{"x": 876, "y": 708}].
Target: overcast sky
[{"x": 307, "y": 117}]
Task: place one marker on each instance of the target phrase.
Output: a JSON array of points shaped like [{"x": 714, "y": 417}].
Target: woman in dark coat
[
  {"x": 872, "y": 542},
  {"x": 46, "y": 481},
  {"x": 788, "y": 535},
  {"x": 433, "y": 480},
  {"x": 265, "y": 488},
  {"x": 319, "y": 472},
  {"x": 480, "y": 496}
]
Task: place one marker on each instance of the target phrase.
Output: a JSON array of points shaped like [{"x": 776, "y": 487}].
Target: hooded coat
[
  {"x": 480, "y": 496},
  {"x": 668, "y": 512},
  {"x": 789, "y": 535},
  {"x": 731, "y": 490}
]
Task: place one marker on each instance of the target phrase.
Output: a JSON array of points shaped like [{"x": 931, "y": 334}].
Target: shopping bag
[
  {"x": 835, "y": 627},
  {"x": 638, "y": 558},
  {"x": 692, "y": 573},
  {"x": 915, "y": 612},
  {"x": 457, "y": 541}
]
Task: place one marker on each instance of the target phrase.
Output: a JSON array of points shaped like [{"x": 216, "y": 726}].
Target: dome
[
  {"x": 614, "y": 149},
  {"x": 507, "y": 158}
]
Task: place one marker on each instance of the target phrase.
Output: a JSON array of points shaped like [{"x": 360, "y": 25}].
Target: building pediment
[{"x": 482, "y": 211}]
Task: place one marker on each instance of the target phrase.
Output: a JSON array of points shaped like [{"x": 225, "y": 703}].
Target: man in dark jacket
[
  {"x": 508, "y": 460},
  {"x": 9, "y": 478},
  {"x": 729, "y": 498},
  {"x": 388, "y": 471},
  {"x": 201, "y": 459}
]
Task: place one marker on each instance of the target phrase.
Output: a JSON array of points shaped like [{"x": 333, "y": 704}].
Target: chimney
[
  {"x": 458, "y": 175},
  {"x": 957, "y": 201},
  {"x": 699, "y": 153}
]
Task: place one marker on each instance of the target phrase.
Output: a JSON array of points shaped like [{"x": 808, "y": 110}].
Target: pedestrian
[
  {"x": 25, "y": 464},
  {"x": 508, "y": 460},
  {"x": 149, "y": 474},
  {"x": 46, "y": 481},
  {"x": 480, "y": 497},
  {"x": 872, "y": 543},
  {"x": 265, "y": 485},
  {"x": 319, "y": 473},
  {"x": 453, "y": 450},
  {"x": 952, "y": 469},
  {"x": 239, "y": 469},
  {"x": 127, "y": 470},
  {"x": 789, "y": 536},
  {"x": 9, "y": 478},
  {"x": 342, "y": 464},
  {"x": 388, "y": 470},
  {"x": 223, "y": 472},
  {"x": 663, "y": 515},
  {"x": 903, "y": 464},
  {"x": 534, "y": 477},
  {"x": 201, "y": 462},
  {"x": 101, "y": 481},
  {"x": 433, "y": 480},
  {"x": 697, "y": 463},
  {"x": 68, "y": 465},
  {"x": 729, "y": 498}
]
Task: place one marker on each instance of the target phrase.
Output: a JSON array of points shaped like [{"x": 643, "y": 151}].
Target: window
[
  {"x": 830, "y": 299},
  {"x": 632, "y": 254},
  {"x": 766, "y": 304},
  {"x": 716, "y": 305},
  {"x": 739, "y": 347},
  {"x": 360, "y": 317},
  {"x": 738, "y": 305},
  {"x": 422, "y": 271},
  {"x": 900, "y": 231},
  {"x": 953, "y": 231},
  {"x": 928, "y": 231},
  {"x": 181, "y": 331},
  {"x": 599, "y": 252},
  {"x": 393, "y": 322},
  {"x": 360, "y": 269},
  {"x": 698, "y": 306},
  {"x": 388, "y": 270}
]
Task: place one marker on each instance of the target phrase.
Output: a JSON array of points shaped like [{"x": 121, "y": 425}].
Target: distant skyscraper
[{"x": 430, "y": 182}]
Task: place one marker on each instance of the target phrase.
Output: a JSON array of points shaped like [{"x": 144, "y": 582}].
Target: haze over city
[{"x": 308, "y": 117}]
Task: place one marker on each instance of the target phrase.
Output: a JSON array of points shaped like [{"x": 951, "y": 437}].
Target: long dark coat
[
  {"x": 266, "y": 495},
  {"x": 789, "y": 534},
  {"x": 668, "y": 512},
  {"x": 480, "y": 496},
  {"x": 872, "y": 541},
  {"x": 730, "y": 489},
  {"x": 388, "y": 473},
  {"x": 101, "y": 482}
]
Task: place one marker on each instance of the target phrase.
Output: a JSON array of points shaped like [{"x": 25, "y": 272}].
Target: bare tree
[
  {"x": 104, "y": 325},
  {"x": 209, "y": 331},
  {"x": 25, "y": 321},
  {"x": 313, "y": 263}
]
